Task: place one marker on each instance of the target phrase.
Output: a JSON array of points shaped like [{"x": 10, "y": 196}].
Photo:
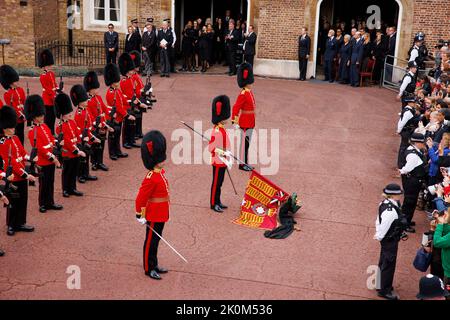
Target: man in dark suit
[
  {"x": 304, "y": 49},
  {"x": 165, "y": 40},
  {"x": 232, "y": 41},
  {"x": 356, "y": 59},
  {"x": 391, "y": 42},
  {"x": 330, "y": 56},
  {"x": 249, "y": 45},
  {"x": 111, "y": 40}
]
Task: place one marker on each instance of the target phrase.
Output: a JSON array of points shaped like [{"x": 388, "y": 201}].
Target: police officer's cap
[
  {"x": 150, "y": 20},
  {"x": 417, "y": 137},
  {"x": 431, "y": 287},
  {"x": 134, "y": 21},
  {"x": 412, "y": 64},
  {"x": 409, "y": 99},
  {"x": 392, "y": 189}
]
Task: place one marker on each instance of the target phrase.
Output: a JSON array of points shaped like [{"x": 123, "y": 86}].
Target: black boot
[
  {"x": 2, "y": 253},
  {"x": 154, "y": 275}
]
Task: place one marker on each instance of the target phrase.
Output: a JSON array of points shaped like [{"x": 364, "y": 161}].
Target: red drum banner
[{"x": 261, "y": 201}]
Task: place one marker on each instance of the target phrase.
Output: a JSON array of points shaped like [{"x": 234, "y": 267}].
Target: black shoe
[
  {"x": 2, "y": 253},
  {"x": 167, "y": 75},
  {"x": 56, "y": 207},
  {"x": 217, "y": 208},
  {"x": 113, "y": 158},
  {"x": 154, "y": 275},
  {"x": 140, "y": 136},
  {"x": 388, "y": 296},
  {"x": 42, "y": 209},
  {"x": 11, "y": 231},
  {"x": 122, "y": 155},
  {"x": 94, "y": 167},
  {"x": 331, "y": 81},
  {"x": 410, "y": 230},
  {"x": 161, "y": 270},
  {"x": 136, "y": 145},
  {"x": 66, "y": 194},
  {"x": 82, "y": 180},
  {"x": 223, "y": 206},
  {"x": 76, "y": 193},
  {"x": 127, "y": 146},
  {"x": 412, "y": 224},
  {"x": 244, "y": 168},
  {"x": 162, "y": 75},
  {"x": 103, "y": 167},
  {"x": 24, "y": 228},
  {"x": 91, "y": 178}
]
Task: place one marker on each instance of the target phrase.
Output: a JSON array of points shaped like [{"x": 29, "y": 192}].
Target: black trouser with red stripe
[
  {"x": 246, "y": 137},
  {"x": 151, "y": 245},
  {"x": 46, "y": 185},
  {"x": 69, "y": 174},
  {"x": 114, "y": 140},
  {"x": 97, "y": 152},
  {"x": 83, "y": 166},
  {"x": 129, "y": 131},
  {"x": 16, "y": 214},
  {"x": 20, "y": 131},
  {"x": 216, "y": 186},
  {"x": 50, "y": 118}
]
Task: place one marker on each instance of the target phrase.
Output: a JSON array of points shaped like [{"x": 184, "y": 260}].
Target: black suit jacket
[
  {"x": 304, "y": 46},
  {"x": 232, "y": 44},
  {"x": 149, "y": 40},
  {"x": 330, "y": 49},
  {"x": 133, "y": 42},
  {"x": 168, "y": 36},
  {"x": 250, "y": 42},
  {"x": 391, "y": 45},
  {"x": 111, "y": 40}
]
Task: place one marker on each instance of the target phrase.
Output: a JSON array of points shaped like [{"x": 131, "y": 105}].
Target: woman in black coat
[
  {"x": 210, "y": 35},
  {"x": 196, "y": 38},
  {"x": 187, "y": 47},
  {"x": 132, "y": 40},
  {"x": 345, "y": 55},
  {"x": 219, "y": 34},
  {"x": 203, "y": 44},
  {"x": 379, "y": 49}
]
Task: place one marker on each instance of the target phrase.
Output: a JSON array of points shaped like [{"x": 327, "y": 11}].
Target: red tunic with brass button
[
  {"x": 72, "y": 137},
  {"x": 18, "y": 156},
  {"x": 219, "y": 139},
  {"x": 127, "y": 86},
  {"x": 115, "y": 97},
  {"x": 96, "y": 108},
  {"x": 244, "y": 109},
  {"x": 84, "y": 121},
  {"x": 45, "y": 143},
  {"x": 15, "y": 97},
  {"x": 49, "y": 87},
  {"x": 139, "y": 85},
  {"x": 152, "y": 201}
]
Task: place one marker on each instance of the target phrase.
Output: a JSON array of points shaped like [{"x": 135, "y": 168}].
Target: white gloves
[{"x": 141, "y": 220}]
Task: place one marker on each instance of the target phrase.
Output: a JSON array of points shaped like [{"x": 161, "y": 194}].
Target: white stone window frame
[{"x": 91, "y": 24}]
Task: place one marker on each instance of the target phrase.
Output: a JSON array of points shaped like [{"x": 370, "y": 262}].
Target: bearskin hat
[
  {"x": 126, "y": 63},
  {"x": 45, "y": 58},
  {"x": 78, "y": 94},
  {"x": 34, "y": 107},
  {"x": 63, "y": 105},
  {"x": 153, "y": 149},
  {"x": 8, "y": 76},
  {"x": 136, "y": 57},
  {"x": 111, "y": 74},
  {"x": 90, "y": 81},
  {"x": 245, "y": 75},
  {"x": 220, "y": 109},
  {"x": 8, "y": 117}
]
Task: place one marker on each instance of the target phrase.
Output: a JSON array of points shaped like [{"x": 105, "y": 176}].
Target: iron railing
[{"x": 393, "y": 72}]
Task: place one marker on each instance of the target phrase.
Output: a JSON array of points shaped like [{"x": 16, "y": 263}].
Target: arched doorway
[{"x": 334, "y": 11}]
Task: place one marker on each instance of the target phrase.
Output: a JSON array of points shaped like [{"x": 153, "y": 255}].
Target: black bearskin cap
[
  {"x": 220, "y": 109},
  {"x": 34, "y": 107},
  {"x": 63, "y": 105},
  {"x": 8, "y": 76},
  {"x": 45, "y": 58},
  {"x": 111, "y": 74},
  {"x": 78, "y": 94},
  {"x": 153, "y": 149},
  {"x": 245, "y": 75},
  {"x": 90, "y": 81}
]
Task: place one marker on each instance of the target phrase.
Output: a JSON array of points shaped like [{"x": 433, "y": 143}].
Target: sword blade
[{"x": 164, "y": 240}]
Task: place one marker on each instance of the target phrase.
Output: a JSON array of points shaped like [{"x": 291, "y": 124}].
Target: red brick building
[{"x": 277, "y": 23}]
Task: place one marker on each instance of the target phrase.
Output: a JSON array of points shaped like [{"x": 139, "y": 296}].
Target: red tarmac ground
[{"x": 337, "y": 151}]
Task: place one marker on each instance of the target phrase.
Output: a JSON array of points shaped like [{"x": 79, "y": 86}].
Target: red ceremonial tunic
[
  {"x": 139, "y": 84},
  {"x": 219, "y": 139},
  {"x": 126, "y": 85},
  {"x": 15, "y": 97},
  {"x": 244, "y": 109},
  {"x": 120, "y": 103},
  {"x": 97, "y": 107},
  {"x": 18, "y": 156},
  {"x": 49, "y": 87},
  {"x": 152, "y": 200},
  {"x": 84, "y": 121},
  {"x": 45, "y": 143},
  {"x": 72, "y": 137}
]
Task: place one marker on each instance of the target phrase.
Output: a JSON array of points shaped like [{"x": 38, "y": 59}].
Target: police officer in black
[
  {"x": 408, "y": 86},
  {"x": 413, "y": 174},
  {"x": 390, "y": 226},
  {"x": 408, "y": 122},
  {"x": 419, "y": 51}
]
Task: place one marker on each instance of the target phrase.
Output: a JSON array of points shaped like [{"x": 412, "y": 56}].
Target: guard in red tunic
[
  {"x": 84, "y": 121},
  {"x": 244, "y": 111},
  {"x": 152, "y": 201},
  {"x": 218, "y": 146},
  {"x": 98, "y": 110},
  {"x": 127, "y": 85},
  {"x": 70, "y": 151},
  {"x": 14, "y": 157},
  {"x": 117, "y": 109},
  {"x": 14, "y": 97},
  {"x": 139, "y": 87},
  {"x": 49, "y": 87},
  {"x": 41, "y": 138}
]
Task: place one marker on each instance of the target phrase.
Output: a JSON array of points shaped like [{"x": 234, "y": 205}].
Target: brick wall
[{"x": 46, "y": 28}]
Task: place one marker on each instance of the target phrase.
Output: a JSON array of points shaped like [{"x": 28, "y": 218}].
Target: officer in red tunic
[
  {"x": 126, "y": 66},
  {"x": 14, "y": 155},
  {"x": 218, "y": 146},
  {"x": 98, "y": 110},
  {"x": 41, "y": 138},
  {"x": 84, "y": 121},
  {"x": 70, "y": 151},
  {"x": 49, "y": 87},
  {"x": 117, "y": 106},
  {"x": 152, "y": 201},
  {"x": 14, "y": 96},
  {"x": 139, "y": 87},
  {"x": 244, "y": 111}
]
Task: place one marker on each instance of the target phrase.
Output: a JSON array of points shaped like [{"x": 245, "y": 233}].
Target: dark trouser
[
  {"x": 404, "y": 144},
  {"x": 69, "y": 174},
  {"x": 97, "y": 152},
  {"x": 302, "y": 66},
  {"x": 148, "y": 62},
  {"x": 231, "y": 61},
  {"x": 20, "y": 132},
  {"x": 114, "y": 140},
  {"x": 16, "y": 213},
  {"x": 50, "y": 117},
  {"x": 111, "y": 56},
  {"x": 151, "y": 245},
  {"x": 129, "y": 131},
  {"x": 164, "y": 60},
  {"x": 46, "y": 185},
  {"x": 411, "y": 187},
  {"x": 388, "y": 260},
  {"x": 354, "y": 74},
  {"x": 249, "y": 58},
  {"x": 83, "y": 166},
  {"x": 246, "y": 137},
  {"x": 328, "y": 69},
  {"x": 216, "y": 186},
  {"x": 138, "y": 129},
  {"x": 172, "y": 59}
]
